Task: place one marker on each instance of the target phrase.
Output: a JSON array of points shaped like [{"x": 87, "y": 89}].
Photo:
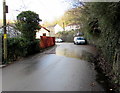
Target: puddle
[
  {"x": 73, "y": 53},
  {"x": 68, "y": 53}
]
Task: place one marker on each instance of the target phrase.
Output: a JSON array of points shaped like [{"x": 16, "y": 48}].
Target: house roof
[
  {"x": 45, "y": 28},
  {"x": 11, "y": 31},
  {"x": 7, "y": 22}
]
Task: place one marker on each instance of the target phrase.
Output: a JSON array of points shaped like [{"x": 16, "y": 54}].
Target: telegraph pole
[
  {"x": 5, "y": 10},
  {"x": 63, "y": 26}
]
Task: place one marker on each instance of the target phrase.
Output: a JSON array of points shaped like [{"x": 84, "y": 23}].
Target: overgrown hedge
[
  {"x": 20, "y": 47},
  {"x": 108, "y": 40},
  {"x": 67, "y": 36}
]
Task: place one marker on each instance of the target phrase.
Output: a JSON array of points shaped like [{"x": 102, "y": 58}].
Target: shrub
[
  {"x": 20, "y": 47},
  {"x": 108, "y": 40},
  {"x": 67, "y": 36}
]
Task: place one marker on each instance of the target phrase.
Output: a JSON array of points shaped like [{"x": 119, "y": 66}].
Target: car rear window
[{"x": 80, "y": 38}]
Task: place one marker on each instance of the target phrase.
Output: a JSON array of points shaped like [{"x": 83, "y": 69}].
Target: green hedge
[
  {"x": 108, "y": 40},
  {"x": 67, "y": 36},
  {"x": 20, "y": 47}
]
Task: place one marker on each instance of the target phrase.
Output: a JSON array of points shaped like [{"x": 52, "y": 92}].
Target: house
[
  {"x": 55, "y": 29},
  {"x": 58, "y": 28},
  {"x": 72, "y": 27},
  {"x": 52, "y": 30},
  {"x": 49, "y": 31},
  {"x": 11, "y": 31},
  {"x": 42, "y": 32}
]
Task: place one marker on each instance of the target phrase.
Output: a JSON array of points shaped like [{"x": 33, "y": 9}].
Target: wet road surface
[{"x": 60, "y": 68}]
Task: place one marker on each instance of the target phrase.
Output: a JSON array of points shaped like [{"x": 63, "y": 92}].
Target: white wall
[
  {"x": 58, "y": 28},
  {"x": 40, "y": 33},
  {"x": 72, "y": 27}
]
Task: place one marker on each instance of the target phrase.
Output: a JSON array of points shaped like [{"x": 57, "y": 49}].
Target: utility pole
[
  {"x": 63, "y": 26},
  {"x": 5, "y": 10}
]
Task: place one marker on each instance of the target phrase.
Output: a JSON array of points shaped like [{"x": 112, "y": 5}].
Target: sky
[{"x": 48, "y": 10}]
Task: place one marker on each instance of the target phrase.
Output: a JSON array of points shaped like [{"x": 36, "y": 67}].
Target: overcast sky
[{"x": 48, "y": 10}]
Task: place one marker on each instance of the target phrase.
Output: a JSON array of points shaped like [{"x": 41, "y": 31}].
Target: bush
[
  {"x": 33, "y": 47},
  {"x": 20, "y": 47},
  {"x": 108, "y": 40},
  {"x": 67, "y": 36}
]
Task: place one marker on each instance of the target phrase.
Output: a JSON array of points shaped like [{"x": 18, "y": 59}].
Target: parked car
[
  {"x": 58, "y": 40},
  {"x": 80, "y": 40}
]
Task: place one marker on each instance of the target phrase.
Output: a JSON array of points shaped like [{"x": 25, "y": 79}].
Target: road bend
[{"x": 61, "y": 68}]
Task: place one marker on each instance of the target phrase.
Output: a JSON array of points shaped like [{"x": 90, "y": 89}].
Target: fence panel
[{"x": 47, "y": 41}]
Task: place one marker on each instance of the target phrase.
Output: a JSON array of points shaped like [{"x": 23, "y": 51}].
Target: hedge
[{"x": 20, "y": 47}]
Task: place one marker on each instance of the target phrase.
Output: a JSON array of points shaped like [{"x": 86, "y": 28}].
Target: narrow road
[{"x": 61, "y": 68}]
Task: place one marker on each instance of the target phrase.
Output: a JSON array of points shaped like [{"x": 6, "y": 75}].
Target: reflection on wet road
[
  {"x": 58, "y": 69},
  {"x": 74, "y": 51}
]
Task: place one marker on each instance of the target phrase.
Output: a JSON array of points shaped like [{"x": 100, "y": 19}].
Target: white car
[
  {"x": 79, "y": 40},
  {"x": 58, "y": 40}
]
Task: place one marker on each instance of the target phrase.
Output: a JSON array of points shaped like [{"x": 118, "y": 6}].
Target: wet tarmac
[{"x": 61, "y": 68}]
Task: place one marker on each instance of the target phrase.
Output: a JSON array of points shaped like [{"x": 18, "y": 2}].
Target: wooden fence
[{"x": 46, "y": 41}]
